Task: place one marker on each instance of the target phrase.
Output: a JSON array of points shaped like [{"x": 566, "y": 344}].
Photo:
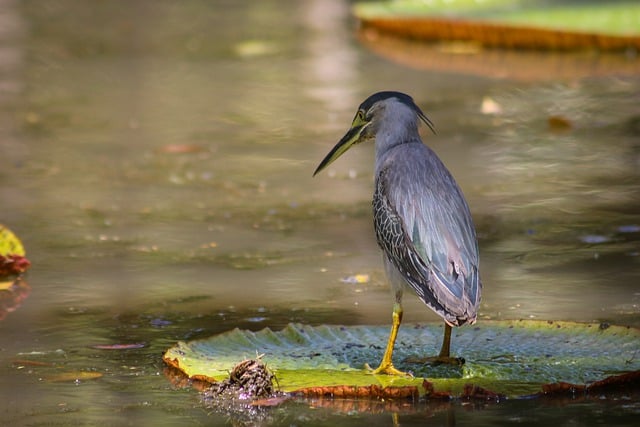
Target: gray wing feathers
[{"x": 424, "y": 226}]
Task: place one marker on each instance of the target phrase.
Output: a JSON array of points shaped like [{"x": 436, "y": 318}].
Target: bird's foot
[
  {"x": 387, "y": 369},
  {"x": 436, "y": 360}
]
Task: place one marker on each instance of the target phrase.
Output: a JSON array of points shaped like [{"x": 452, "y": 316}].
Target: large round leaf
[
  {"x": 505, "y": 23},
  {"x": 509, "y": 357}
]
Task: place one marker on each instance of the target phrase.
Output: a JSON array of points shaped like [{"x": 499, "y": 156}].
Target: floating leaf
[
  {"x": 12, "y": 254},
  {"x": 21, "y": 363},
  {"x": 559, "y": 124},
  {"x": 9, "y": 243},
  {"x": 509, "y": 357},
  {"x": 118, "y": 346},
  {"x": 497, "y": 23},
  {"x": 74, "y": 376}
]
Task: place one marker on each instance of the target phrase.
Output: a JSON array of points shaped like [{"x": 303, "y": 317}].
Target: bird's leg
[
  {"x": 444, "y": 357},
  {"x": 386, "y": 366},
  {"x": 446, "y": 342}
]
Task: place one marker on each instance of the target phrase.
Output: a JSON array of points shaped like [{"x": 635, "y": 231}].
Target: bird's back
[{"x": 424, "y": 226}]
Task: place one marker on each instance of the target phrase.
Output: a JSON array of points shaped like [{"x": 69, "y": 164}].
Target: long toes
[{"x": 387, "y": 370}]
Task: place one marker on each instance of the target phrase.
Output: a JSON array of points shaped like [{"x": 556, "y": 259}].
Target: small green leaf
[{"x": 12, "y": 259}]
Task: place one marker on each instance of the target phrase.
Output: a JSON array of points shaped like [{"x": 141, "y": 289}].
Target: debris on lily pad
[
  {"x": 12, "y": 254},
  {"x": 248, "y": 380},
  {"x": 247, "y": 392}
]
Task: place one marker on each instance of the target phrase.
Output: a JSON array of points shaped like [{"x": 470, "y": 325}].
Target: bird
[{"x": 421, "y": 219}]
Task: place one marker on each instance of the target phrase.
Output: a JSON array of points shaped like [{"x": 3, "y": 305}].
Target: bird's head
[{"x": 395, "y": 107}]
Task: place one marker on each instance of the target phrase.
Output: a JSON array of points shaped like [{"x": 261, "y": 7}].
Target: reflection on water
[
  {"x": 132, "y": 241},
  {"x": 523, "y": 66},
  {"x": 12, "y": 295}
]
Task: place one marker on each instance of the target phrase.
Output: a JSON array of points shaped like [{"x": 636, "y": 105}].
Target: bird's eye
[{"x": 360, "y": 116}]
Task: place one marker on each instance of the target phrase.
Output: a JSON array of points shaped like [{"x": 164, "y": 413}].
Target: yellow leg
[
  {"x": 386, "y": 366},
  {"x": 446, "y": 342}
]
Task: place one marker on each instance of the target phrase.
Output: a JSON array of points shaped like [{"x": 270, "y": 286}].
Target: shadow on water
[{"x": 156, "y": 162}]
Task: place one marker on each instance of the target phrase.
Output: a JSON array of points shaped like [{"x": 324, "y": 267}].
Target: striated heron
[{"x": 421, "y": 219}]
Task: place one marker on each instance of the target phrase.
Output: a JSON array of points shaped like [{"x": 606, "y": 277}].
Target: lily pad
[
  {"x": 509, "y": 357},
  {"x": 508, "y": 23}
]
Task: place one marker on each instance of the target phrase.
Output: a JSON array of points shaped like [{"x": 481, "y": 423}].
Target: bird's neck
[
  {"x": 386, "y": 140},
  {"x": 386, "y": 146}
]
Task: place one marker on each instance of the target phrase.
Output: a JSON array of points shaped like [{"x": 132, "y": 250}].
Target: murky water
[{"x": 156, "y": 160}]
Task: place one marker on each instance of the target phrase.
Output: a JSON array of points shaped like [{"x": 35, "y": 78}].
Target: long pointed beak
[{"x": 351, "y": 138}]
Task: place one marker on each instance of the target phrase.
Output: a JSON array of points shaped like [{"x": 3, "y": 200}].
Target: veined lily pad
[{"x": 508, "y": 357}]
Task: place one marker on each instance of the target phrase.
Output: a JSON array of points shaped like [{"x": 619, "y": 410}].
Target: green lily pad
[
  {"x": 508, "y": 23},
  {"x": 611, "y": 18},
  {"x": 509, "y": 357}
]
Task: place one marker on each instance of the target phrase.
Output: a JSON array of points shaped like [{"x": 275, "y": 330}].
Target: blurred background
[{"x": 156, "y": 161}]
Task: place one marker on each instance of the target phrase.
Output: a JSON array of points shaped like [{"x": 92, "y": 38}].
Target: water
[{"x": 132, "y": 242}]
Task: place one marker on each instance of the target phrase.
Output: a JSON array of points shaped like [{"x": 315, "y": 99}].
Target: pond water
[{"x": 156, "y": 161}]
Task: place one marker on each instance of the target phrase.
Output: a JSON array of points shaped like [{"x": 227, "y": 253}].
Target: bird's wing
[{"x": 424, "y": 226}]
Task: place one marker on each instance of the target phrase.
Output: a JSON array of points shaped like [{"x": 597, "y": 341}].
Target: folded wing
[{"x": 424, "y": 226}]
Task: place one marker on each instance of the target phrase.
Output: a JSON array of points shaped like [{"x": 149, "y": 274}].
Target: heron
[{"x": 421, "y": 219}]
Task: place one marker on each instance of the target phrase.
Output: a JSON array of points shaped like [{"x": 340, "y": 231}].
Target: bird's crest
[{"x": 402, "y": 98}]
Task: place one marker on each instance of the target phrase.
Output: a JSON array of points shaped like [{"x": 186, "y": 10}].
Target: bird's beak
[{"x": 352, "y": 137}]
